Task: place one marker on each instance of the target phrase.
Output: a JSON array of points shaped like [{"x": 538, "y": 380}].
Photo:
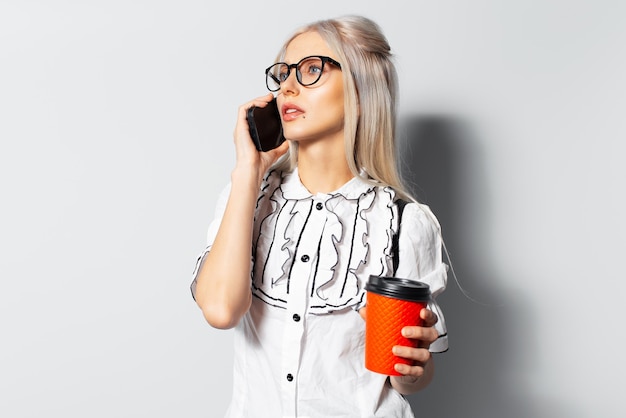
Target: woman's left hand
[{"x": 420, "y": 356}]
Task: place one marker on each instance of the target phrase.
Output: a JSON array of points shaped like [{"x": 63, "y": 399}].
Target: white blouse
[{"x": 299, "y": 350}]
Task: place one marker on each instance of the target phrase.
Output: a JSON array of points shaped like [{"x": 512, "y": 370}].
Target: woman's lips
[{"x": 291, "y": 112}]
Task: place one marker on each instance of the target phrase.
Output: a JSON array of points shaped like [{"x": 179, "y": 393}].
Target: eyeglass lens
[{"x": 308, "y": 71}]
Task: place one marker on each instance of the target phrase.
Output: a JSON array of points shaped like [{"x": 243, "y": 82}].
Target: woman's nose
[{"x": 290, "y": 85}]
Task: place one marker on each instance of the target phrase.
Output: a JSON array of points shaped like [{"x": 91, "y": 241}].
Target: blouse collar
[{"x": 293, "y": 188}]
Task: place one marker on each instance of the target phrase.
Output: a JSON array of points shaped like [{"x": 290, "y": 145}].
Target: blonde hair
[{"x": 370, "y": 98}]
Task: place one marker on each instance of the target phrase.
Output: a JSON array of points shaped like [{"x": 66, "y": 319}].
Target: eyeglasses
[{"x": 308, "y": 71}]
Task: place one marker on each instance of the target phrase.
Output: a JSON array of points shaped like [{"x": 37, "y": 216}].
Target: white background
[{"x": 115, "y": 126}]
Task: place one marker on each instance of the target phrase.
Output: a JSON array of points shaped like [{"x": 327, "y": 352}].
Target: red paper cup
[{"x": 392, "y": 304}]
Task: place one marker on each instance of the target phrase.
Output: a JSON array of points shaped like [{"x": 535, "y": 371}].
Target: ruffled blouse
[{"x": 299, "y": 351}]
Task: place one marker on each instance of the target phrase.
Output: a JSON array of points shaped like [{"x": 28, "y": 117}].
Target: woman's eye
[{"x": 313, "y": 69}]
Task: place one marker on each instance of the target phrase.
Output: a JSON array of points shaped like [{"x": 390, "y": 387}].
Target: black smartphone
[{"x": 266, "y": 128}]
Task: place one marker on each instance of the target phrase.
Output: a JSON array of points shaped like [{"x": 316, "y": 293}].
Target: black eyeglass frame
[{"x": 323, "y": 58}]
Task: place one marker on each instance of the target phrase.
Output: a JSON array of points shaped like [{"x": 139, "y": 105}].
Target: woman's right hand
[{"x": 248, "y": 157}]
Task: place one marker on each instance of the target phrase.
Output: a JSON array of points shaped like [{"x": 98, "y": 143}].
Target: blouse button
[
  {"x": 289, "y": 377},
  {"x": 304, "y": 258},
  {"x": 319, "y": 206},
  {"x": 296, "y": 317}
]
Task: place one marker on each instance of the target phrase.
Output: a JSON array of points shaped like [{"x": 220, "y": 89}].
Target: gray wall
[{"x": 115, "y": 125}]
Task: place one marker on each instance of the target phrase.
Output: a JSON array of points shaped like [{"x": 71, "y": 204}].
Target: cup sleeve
[{"x": 214, "y": 225}]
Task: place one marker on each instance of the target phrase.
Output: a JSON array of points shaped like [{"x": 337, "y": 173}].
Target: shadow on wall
[{"x": 483, "y": 374}]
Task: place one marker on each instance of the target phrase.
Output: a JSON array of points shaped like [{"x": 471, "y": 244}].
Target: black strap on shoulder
[{"x": 395, "y": 249}]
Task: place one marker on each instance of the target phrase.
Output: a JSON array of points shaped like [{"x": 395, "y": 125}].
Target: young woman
[{"x": 300, "y": 228}]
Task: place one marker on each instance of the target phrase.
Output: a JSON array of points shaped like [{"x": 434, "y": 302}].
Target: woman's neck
[{"x": 323, "y": 168}]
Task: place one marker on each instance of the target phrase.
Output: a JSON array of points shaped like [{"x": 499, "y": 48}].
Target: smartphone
[{"x": 265, "y": 126}]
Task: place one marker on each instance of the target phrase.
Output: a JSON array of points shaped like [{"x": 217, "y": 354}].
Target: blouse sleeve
[
  {"x": 420, "y": 258},
  {"x": 220, "y": 207}
]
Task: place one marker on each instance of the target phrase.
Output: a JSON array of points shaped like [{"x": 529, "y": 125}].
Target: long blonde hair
[{"x": 370, "y": 98}]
